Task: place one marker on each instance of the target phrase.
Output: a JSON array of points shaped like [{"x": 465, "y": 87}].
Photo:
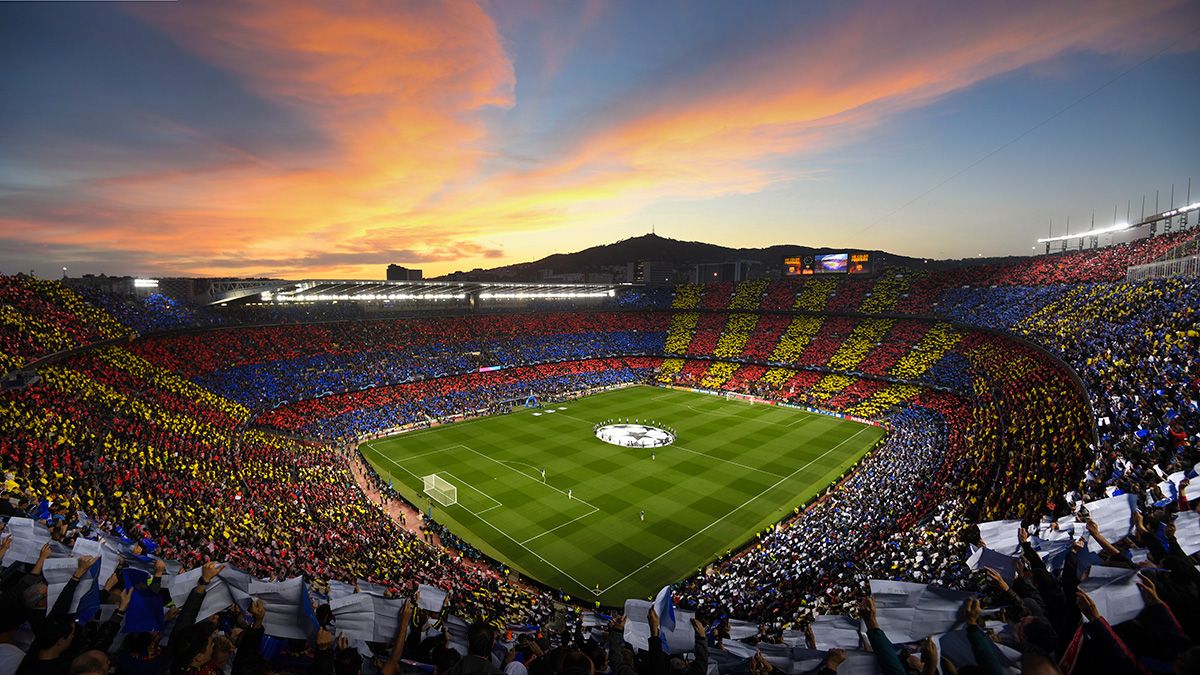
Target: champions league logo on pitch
[{"x": 635, "y": 435}]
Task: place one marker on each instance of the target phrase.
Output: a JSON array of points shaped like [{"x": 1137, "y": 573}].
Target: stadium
[
  {"x": 818, "y": 460},
  {"x": 786, "y": 402}
]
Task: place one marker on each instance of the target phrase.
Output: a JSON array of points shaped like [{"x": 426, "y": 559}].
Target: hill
[{"x": 672, "y": 252}]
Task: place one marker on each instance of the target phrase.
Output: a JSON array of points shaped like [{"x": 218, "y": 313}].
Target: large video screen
[{"x": 831, "y": 262}]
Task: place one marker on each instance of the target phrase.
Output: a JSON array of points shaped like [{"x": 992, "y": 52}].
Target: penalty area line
[
  {"x": 507, "y": 536},
  {"x": 497, "y": 503}
]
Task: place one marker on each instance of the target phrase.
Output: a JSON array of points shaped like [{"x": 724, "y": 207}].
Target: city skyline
[{"x": 327, "y": 141}]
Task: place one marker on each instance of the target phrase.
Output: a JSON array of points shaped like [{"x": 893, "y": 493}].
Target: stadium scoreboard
[{"x": 828, "y": 263}]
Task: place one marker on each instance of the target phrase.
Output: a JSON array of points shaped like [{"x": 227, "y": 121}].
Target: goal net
[{"x": 440, "y": 490}]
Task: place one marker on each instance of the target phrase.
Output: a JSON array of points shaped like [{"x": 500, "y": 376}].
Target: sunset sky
[{"x": 307, "y": 139}]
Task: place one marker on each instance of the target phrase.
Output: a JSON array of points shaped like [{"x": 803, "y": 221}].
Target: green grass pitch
[{"x": 734, "y": 469}]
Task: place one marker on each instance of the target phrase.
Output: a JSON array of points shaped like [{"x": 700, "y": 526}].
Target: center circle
[{"x": 635, "y": 434}]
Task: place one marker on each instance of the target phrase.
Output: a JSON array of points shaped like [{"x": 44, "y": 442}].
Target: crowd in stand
[
  {"x": 265, "y": 367},
  {"x": 39, "y": 318},
  {"x": 346, "y": 417},
  {"x": 156, "y": 312},
  {"x": 52, "y": 623},
  {"x": 153, "y": 312},
  {"x": 139, "y": 450},
  {"x": 1135, "y": 345},
  {"x": 122, "y": 608}
]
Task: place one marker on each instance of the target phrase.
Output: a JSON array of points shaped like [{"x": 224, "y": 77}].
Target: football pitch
[{"x": 733, "y": 469}]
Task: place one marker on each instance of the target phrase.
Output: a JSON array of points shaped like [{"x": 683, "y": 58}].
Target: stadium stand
[
  {"x": 263, "y": 367},
  {"x": 344, "y": 417},
  {"x": 153, "y": 313},
  {"x": 43, "y": 317}
]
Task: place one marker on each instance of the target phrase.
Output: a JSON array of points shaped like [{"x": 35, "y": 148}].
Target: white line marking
[
  {"x": 436, "y": 427},
  {"x": 577, "y": 419},
  {"x": 394, "y": 462},
  {"x": 803, "y": 419},
  {"x": 497, "y": 502},
  {"x": 431, "y": 452},
  {"x": 478, "y": 515},
  {"x": 502, "y": 532},
  {"x": 735, "y": 510},
  {"x": 405, "y": 470},
  {"x": 522, "y": 473},
  {"x": 666, "y": 449},
  {"x": 538, "y": 536},
  {"x": 513, "y": 461},
  {"x": 504, "y": 463},
  {"x": 694, "y": 452},
  {"x": 532, "y": 552}
]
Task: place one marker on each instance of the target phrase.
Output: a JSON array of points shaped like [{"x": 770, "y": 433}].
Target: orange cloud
[{"x": 396, "y": 88}]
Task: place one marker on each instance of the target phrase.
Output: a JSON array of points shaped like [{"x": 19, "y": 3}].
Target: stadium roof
[{"x": 331, "y": 290}]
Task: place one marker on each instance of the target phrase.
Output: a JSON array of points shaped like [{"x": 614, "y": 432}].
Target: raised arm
[
  {"x": 885, "y": 652},
  {"x": 392, "y": 667},
  {"x": 981, "y": 647},
  {"x": 1116, "y": 652},
  {"x": 1094, "y": 530},
  {"x": 657, "y": 660},
  {"x": 323, "y": 659},
  {"x": 1157, "y": 616},
  {"x": 247, "y": 658},
  {"x": 1010, "y": 596},
  {"x": 43, "y": 556},
  {"x": 62, "y": 606},
  {"x": 155, "y": 583},
  {"x": 929, "y": 656},
  {"x": 104, "y": 637},
  {"x": 616, "y": 647},
  {"x": 700, "y": 665},
  {"x": 191, "y": 608}
]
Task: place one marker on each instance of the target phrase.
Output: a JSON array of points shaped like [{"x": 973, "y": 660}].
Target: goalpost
[{"x": 440, "y": 490}]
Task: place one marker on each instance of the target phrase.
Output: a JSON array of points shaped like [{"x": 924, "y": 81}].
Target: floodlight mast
[
  {"x": 1119, "y": 227},
  {"x": 1183, "y": 213}
]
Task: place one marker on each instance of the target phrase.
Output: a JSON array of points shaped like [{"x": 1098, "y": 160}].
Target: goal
[{"x": 440, "y": 490}]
